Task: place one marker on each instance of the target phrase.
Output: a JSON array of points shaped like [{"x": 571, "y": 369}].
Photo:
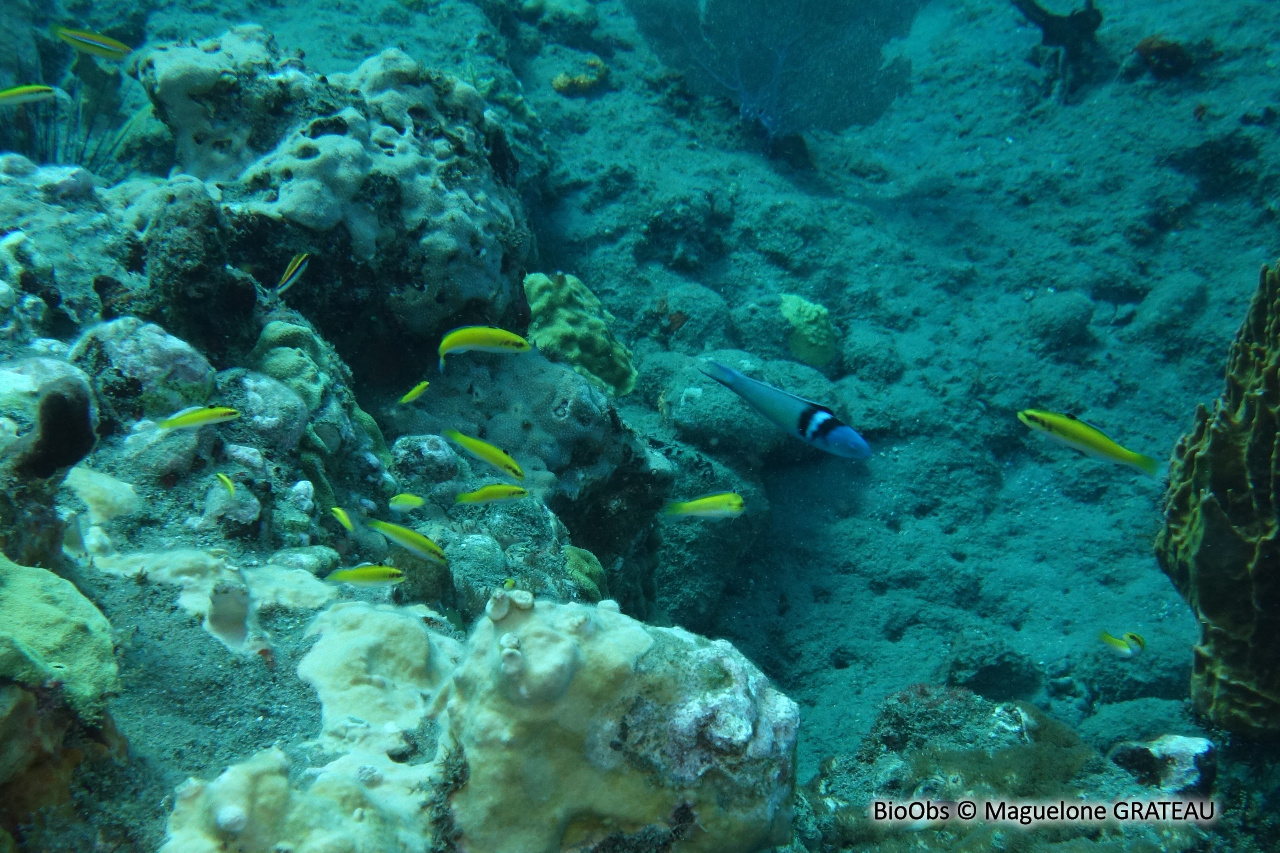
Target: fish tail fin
[
  {"x": 671, "y": 508},
  {"x": 1146, "y": 464},
  {"x": 442, "y": 364}
]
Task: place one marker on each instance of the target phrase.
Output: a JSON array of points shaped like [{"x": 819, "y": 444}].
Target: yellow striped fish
[
  {"x": 33, "y": 94},
  {"x": 366, "y": 576},
  {"x": 410, "y": 540},
  {"x": 415, "y": 392},
  {"x": 486, "y": 452},
  {"x": 93, "y": 43},
  {"x": 341, "y": 515},
  {"x": 481, "y": 339},
  {"x": 1078, "y": 435},
  {"x": 198, "y": 417},
  {"x": 492, "y": 493},
  {"x": 1127, "y": 645},
  {"x": 228, "y": 484},
  {"x": 719, "y": 505},
  {"x": 293, "y": 272}
]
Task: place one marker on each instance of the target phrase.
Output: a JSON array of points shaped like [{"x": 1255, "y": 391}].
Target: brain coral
[{"x": 1219, "y": 543}]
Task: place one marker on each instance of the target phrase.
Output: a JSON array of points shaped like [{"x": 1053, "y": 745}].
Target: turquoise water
[{"x": 915, "y": 215}]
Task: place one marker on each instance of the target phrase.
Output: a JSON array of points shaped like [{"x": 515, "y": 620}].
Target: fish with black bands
[{"x": 808, "y": 421}]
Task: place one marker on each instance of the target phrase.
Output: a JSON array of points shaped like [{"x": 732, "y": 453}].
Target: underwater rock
[
  {"x": 428, "y": 457},
  {"x": 637, "y": 734},
  {"x": 686, "y": 233},
  {"x": 272, "y": 410},
  {"x": 364, "y": 802},
  {"x": 1177, "y": 765},
  {"x": 1059, "y": 321},
  {"x": 1219, "y": 541},
  {"x": 569, "y": 324},
  {"x": 53, "y": 637},
  {"x": 686, "y": 317},
  {"x": 374, "y": 667},
  {"x": 189, "y": 272},
  {"x": 989, "y": 666},
  {"x": 48, "y": 423},
  {"x": 947, "y": 744},
  {"x": 139, "y": 370},
  {"x": 388, "y": 174}
]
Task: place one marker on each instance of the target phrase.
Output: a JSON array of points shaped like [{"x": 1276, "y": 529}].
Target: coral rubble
[{"x": 1219, "y": 542}]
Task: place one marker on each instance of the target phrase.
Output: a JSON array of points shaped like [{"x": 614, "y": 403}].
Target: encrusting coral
[
  {"x": 570, "y": 325},
  {"x": 1219, "y": 543},
  {"x": 557, "y": 727}
]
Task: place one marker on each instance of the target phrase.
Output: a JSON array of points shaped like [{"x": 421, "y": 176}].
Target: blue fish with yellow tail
[{"x": 808, "y": 421}]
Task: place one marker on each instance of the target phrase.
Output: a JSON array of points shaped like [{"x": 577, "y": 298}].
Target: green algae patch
[
  {"x": 51, "y": 634},
  {"x": 570, "y": 325},
  {"x": 813, "y": 338}
]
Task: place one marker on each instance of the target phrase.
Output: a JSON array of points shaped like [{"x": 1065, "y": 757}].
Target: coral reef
[
  {"x": 569, "y": 324},
  {"x": 577, "y": 725},
  {"x": 1218, "y": 544},
  {"x": 392, "y": 165},
  {"x": 557, "y": 725}
]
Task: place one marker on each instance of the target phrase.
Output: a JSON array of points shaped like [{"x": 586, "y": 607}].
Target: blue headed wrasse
[
  {"x": 293, "y": 272},
  {"x": 410, "y": 540},
  {"x": 366, "y": 576},
  {"x": 492, "y": 493},
  {"x": 808, "y": 421},
  {"x": 404, "y": 502},
  {"x": 93, "y": 43},
  {"x": 228, "y": 484},
  {"x": 33, "y": 94},
  {"x": 1078, "y": 435},
  {"x": 341, "y": 515},
  {"x": 198, "y": 417},
  {"x": 481, "y": 339},
  {"x": 1127, "y": 645},
  {"x": 415, "y": 392},
  {"x": 486, "y": 452},
  {"x": 719, "y": 505}
]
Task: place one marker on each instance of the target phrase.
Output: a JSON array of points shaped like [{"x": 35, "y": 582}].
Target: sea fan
[{"x": 801, "y": 65}]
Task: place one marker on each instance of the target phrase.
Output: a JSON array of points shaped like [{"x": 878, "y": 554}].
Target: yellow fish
[
  {"x": 405, "y": 502},
  {"x": 486, "y": 452},
  {"x": 508, "y": 583},
  {"x": 719, "y": 505},
  {"x": 410, "y": 540},
  {"x": 366, "y": 576},
  {"x": 16, "y": 95},
  {"x": 415, "y": 392},
  {"x": 293, "y": 272},
  {"x": 1127, "y": 645},
  {"x": 1077, "y": 434},
  {"x": 198, "y": 417},
  {"x": 343, "y": 519},
  {"x": 228, "y": 484},
  {"x": 481, "y": 339},
  {"x": 492, "y": 493},
  {"x": 94, "y": 43}
]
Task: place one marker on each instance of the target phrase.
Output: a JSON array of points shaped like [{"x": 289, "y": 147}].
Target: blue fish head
[{"x": 845, "y": 441}]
